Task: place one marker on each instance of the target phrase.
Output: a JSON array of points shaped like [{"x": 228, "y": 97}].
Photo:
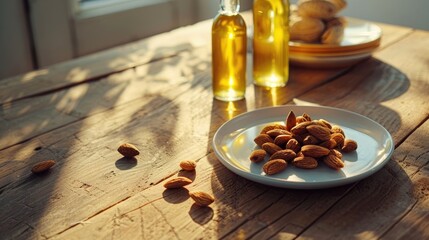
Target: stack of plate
[{"x": 361, "y": 38}]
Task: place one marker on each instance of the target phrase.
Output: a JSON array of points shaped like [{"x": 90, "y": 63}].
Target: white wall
[
  {"x": 15, "y": 51},
  {"x": 15, "y": 54},
  {"x": 411, "y": 13}
]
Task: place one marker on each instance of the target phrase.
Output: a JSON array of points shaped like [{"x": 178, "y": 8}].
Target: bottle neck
[{"x": 229, "y": 7}]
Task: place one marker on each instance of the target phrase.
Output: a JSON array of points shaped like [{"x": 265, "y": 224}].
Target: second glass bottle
[{"x": 271, "y": 42}]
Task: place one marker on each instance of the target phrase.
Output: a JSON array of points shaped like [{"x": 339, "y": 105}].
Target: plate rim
[{"x": 283, "y": 183}]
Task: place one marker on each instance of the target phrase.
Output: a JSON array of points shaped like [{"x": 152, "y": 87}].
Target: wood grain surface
[{"x": 156, "y": 94}]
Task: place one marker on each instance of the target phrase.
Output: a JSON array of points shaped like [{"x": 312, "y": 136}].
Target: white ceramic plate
[
  {"x": 233, "y": 143},
  {"x": 358, "y": 34}
]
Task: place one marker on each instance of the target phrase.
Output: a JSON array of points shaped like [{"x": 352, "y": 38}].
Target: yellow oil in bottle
[
  {"x": 229, "y": 45},
  {"x": 271, "y": 43}
]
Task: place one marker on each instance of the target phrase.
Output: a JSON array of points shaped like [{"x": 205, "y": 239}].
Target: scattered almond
[
  {"x": 177, "y": 182},
  {"x": 274, "y": 166},
  {"x": 202, "y": 199},
  {"x": 128, "y": 150},
  {"x": 43, "y": 166},
  {"x": 188, "y": 165}
]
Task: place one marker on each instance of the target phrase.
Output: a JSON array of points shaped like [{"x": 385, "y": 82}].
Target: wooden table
[{"x": 156, "y": 94}]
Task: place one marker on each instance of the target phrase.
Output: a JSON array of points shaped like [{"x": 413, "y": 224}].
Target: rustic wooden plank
[
  {"x": 237, "y": 222},
  {"x": 87, "y": 156},
  {"x": 89, "y": 144},
  {"x": 378, "y": 203},
  {"x": 414, "y": 224},
  {"x": 34, "y": 116},
  {"x": 279, "y": 212}
]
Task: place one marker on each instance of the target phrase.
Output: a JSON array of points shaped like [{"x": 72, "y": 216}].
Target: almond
[
  {"x": 301, "y": 128},
  {"x": 281, "y": 140},
  {"x": 286, "y": 155},
  {"x": 339, "y": 139},
  {"x": 300, "y": 154},
  {"x": 290, "y": 120},
  {"x": 333, "y": 162},
  {"x": 349, "y": 146},
  {"x": 271, "y": 127},
  {"x": 336, "y": 153},
  {"x": 177, "y": 182},
  {"x": 293, "y": 145},
  {"x": 262, "y": 138},
  {"x": 42, "y": 166},
  {"x": 310, "y": 139},
  {"x": 188, "y": 165},
  {"x": 300, "y": 119},
  {"x": 325, "y": 123},
  {"x": 128, "y": 150},
  {"x": 306, "y": 117},
  {"x": 337, "y": 129},
  {"x": 300, "y": 138},
  {"x": 305, "y": 162},
  {"x": 274, "y": 166},
  {"x": 319, "y": 132},
  {"x": 271, "y": 148},
  {"x": 276, "y": 132},
  {"x": 258, "y": 155},
  {"x": 202, "y": 198},
  {"x": 314, "y": 151},
  {"x": 329, "y": 144}
]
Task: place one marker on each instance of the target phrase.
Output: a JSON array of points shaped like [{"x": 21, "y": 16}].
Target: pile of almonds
[
  {"x": 316, "y": 21},
  {"x": 302, "y": 142}
]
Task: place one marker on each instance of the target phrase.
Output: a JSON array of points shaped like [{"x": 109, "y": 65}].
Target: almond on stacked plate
[{"x": 360, "y": 40}]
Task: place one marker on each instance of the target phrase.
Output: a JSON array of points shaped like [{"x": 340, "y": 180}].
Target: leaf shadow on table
[
  {"x": 253, "y": 211},
  {"x": 75, "y": 119}
]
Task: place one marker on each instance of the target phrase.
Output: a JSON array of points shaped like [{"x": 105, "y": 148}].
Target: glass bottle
[
  {"x": 271, "y": 42},
  {"x": 229, "y": 45}
]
